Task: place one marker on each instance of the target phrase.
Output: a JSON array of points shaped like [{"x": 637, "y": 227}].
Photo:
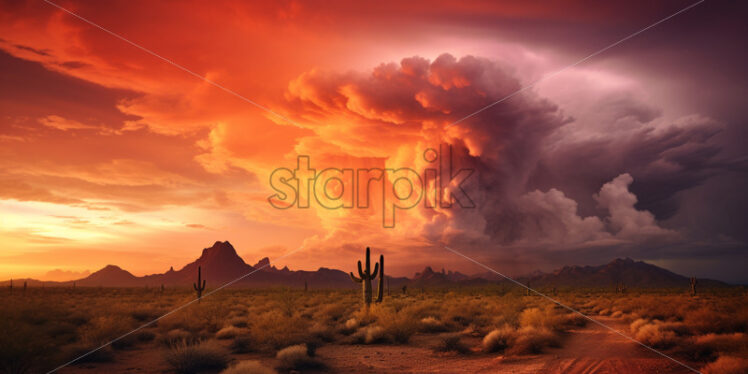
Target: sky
[{"x": 141, "y": 154}]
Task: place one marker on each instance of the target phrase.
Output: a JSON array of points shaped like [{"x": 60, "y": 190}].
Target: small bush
[
  {"x": 727, "y": 365},
  {"x": 499, "y": 339},
  {"x": 193, "y": 358},
  {"x": 374, "y": 334},
  {"x": 322, "y": 331},
  {"x": 249, "y": 367},
  {"x": 655, "y": 333},
  {"x": 431, "y": 324},
  {"x": 176, "y": 337},
  {"x": 228, "y": 332},
  {"x": 533, "y": 340},
  {"x": 296, "y": 357}
]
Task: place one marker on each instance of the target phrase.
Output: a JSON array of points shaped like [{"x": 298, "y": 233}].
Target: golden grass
[{"x": 58, "y": 324}]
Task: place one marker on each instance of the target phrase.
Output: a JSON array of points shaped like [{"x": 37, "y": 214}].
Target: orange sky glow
[{"x": 109, "y": 155}]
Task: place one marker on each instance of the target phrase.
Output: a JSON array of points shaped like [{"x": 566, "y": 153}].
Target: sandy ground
[{"x": 592, "y": 349}]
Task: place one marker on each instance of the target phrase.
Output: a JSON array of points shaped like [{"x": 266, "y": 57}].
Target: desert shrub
[
  {"x": 332, "y": 312},
  {"x": 499, "y": 339},
  {"x": 431, "y": 324},
  {"x": 145, "y": 314},
  {"x": 193, "y": 358},
  {"x": 322, "y": 331},
  {"x": 103, "y": 329},
  {"x": 228, "y": 332},
  {"x": 296, "y": 357},
  {"x": 535, "y": 317},
  {"x": 176, "y": 337},
  {"x": 706, "y": 320},
  {"x": 533, "y": 340},
  {"x": 374, "y": 334},
  {"x": 249, "y": 367},
  {"x": 727, "y": 365},
  {"x": 452, "y": 343},
  {"x": 655, "y": 333},
  {"x": 399, "y": 326},
  {"x": 349, "y": 326},
  {"x": 735, "y": 342},
  {"x": 275, "y": 329}
]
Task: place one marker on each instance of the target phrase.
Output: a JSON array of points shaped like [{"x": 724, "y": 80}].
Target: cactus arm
[
  {"x": 374, "y": 273},
  {"x": 368, "y": 262},
  {"x": 360, "y": 271},
  {"x": 203, "y": 287},
  {"x": 194, "y": 286},
  {"x": 357, "y": 280}
]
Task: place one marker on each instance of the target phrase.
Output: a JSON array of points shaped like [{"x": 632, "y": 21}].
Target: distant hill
[
  {"x": 221, "y": 264},
  {"x": 631, "y": 273}
]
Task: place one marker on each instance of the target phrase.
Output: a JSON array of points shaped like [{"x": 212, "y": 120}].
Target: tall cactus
[
  {"x": 11, "y": 286},
  {"x": 366, "y": 275},
  {"x": 380, "y": 286},
  {"x": 199, "y": 288},
  {"x": 693, "y": 282}
]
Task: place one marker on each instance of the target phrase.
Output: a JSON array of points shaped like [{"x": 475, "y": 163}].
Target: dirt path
[{"x": 592, "y": 349}]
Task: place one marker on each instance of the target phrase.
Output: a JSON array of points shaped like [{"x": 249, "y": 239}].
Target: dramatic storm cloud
[{"x": 111, "y": 155}]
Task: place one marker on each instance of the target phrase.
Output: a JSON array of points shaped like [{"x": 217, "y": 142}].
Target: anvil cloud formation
[{"x": 109, "y": 154}]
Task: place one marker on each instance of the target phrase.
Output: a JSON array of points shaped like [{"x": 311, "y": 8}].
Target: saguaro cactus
[
  {"x": 11, "y": 286},
  {"x": 380, "y": 286},
  {"x": 24, "y": 288},
  {"x": 527, "y": 289},
  {"x": 366, "y": 275},
  {"x": 199, "y": 287},
  {"x": 693, "y": 286}
]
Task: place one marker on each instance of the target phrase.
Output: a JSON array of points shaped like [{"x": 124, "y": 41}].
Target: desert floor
[{"x": 589, "y": 349}]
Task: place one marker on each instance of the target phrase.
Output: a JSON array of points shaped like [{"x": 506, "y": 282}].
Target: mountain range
[{"x": 221, "y": 264}]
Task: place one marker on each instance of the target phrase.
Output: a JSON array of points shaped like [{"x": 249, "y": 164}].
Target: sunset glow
[{"x": 110, "y": 155}]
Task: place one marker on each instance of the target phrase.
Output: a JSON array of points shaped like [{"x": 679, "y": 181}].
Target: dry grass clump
[
  {"x": 655, "y": 333},
  {"x": 533, "y": 340},
  {"x": 176, "y": 337},
  {"x": 296, "y": 357},
  {"x": 374, "y": 334},
  {"x": 431, "y": 324},
  {"x": 498, "y": 340},
  {"x": 349, "y": 326},
  {"x": 194, "y": 358},
  {"x": 275, "y": 329},
  {"x": 399, "y": 326},
  {"x": 322, "y": 331},
  {"x": 228, "y": 332},
  {"x": 727, "y": 365},
  {"x": 249, "y": 367}
]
